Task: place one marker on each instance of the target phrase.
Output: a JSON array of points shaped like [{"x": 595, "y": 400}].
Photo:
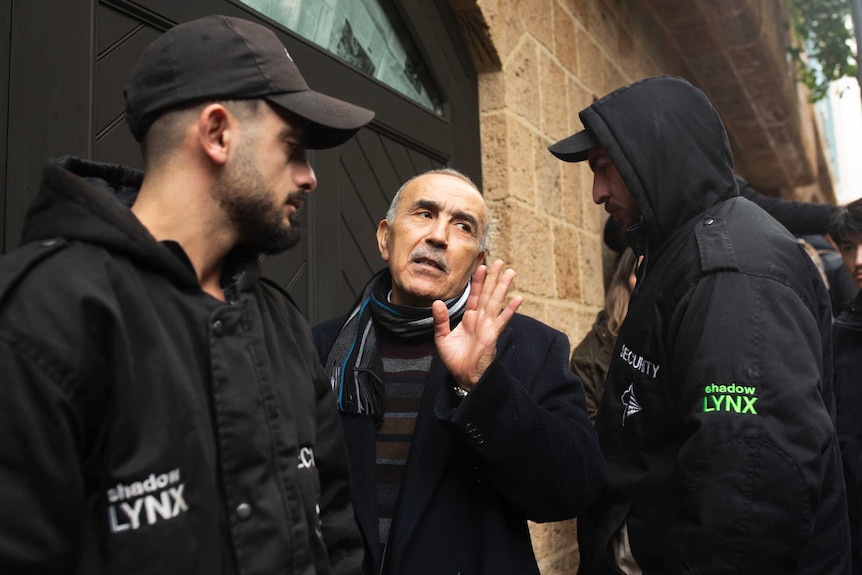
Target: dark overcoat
[{"x": 518, "y": 447}]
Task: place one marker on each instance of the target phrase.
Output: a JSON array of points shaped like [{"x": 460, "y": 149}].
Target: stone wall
[
  {"x": 540, "y": 62},
  {"x": 555, "y": 58}
]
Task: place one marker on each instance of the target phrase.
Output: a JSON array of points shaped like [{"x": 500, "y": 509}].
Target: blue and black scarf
[{"x": 354, "y": 366}]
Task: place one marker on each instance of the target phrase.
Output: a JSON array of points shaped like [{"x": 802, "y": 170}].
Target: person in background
[
  {"x": 163, "y": 409},
  {"x": 592, "y": 356},
  {"x": 717, "y": 421},
  {"x": 462, "y": 418},
  {"x": 845, "y": 232}
]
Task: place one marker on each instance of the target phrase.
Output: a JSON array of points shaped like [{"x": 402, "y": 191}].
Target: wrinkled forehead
[{"x": 449, "y": 193}]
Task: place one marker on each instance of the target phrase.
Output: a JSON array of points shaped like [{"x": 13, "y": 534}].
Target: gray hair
[{"x": 393, "y": 207}]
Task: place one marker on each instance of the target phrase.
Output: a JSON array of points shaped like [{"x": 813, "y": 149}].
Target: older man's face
[{"x": 434, "y": 243}]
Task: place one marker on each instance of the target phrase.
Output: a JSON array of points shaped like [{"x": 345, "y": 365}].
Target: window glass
[{"x": 367, "y": 34}]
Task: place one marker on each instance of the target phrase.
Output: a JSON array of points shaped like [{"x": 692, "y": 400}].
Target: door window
[{"x": 367, "y": 34}]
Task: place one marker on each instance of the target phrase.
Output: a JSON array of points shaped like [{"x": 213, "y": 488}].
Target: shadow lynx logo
[
  {"x": 729, "y": 398},
  {"x": 156, "y": 498}
]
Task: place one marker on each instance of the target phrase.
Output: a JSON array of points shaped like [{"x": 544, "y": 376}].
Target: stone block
[
  {"x": 556, "y": 547},
  {"x": 537, "y": 22},
  {"x": 506, "y": 26},
  {"x": 591, "y": 63},
  {"x": 549, "y": 189},
  {"x": 521, "y": 153},
  {"x": 579, "y": 98},
  {"x": 522, "y": 82},
  {"x": 530, "y": 246},
  {"x": 495, "y": 157},
  {"x": 534, "y": 308},
  {"x": 563, "y": 316},
  {"x": 593, "y": 288},
  {"x": 577, "y": 8},
  {"x": 572, "y": 192},
  {"x": 566, "y": 40},
  {"x": 553, "y": 104},
  {"x": 567, "y": 263},
  {"x": 491, "y": 92}
]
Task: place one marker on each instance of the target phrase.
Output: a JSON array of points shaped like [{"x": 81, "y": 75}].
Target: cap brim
[
  {"x": 575, "y": 148},
  {"x": 331, "y": 121}
]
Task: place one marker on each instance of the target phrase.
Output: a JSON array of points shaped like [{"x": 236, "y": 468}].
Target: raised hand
[{"x": 469, "y": 349}]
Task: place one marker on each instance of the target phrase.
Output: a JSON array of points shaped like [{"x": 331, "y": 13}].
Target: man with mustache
[
  {"x": 163, "y": 409},
  {"x": 461, "y": 417}
]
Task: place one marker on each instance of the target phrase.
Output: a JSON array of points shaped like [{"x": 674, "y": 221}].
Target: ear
[
  {"x": 383, "y": 239},
  {"x": 479, "y": 260},
  {"x": 216, "y": 133}
]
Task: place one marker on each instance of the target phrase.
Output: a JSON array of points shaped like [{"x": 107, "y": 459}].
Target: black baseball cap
[
  {"x": 575, "y": 148},
  {"x": 225, "y": 58}
]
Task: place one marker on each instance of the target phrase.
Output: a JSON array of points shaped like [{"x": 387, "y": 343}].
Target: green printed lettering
[
  {"x": 716, "y": 401},
  {"x": 749, "y": 405},
  {"x": 706, "y": 408},
  {"x": 750, "y": 390},
  {"x": 732, "y": 402}
]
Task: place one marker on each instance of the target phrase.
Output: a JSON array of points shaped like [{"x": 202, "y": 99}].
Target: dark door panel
[
  {"x": 5, "y": 36},
  {"x": 68, "y": 62}
]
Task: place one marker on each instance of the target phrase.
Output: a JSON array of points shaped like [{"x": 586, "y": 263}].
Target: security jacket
[
  {"x": 717, "y": 422},
  {"x": 848, "y": 398},
  {"x": 145, "y": 426}
]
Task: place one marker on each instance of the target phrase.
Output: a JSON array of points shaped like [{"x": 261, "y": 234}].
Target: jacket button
[
  {"x": 49, "y": 243},
  {"x": 709, "y": 221},
  {"x": 218, "y": 328},
  {"x": 243, "y": 511}
]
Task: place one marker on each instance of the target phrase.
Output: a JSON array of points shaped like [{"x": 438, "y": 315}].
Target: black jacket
[
  {"x": 848, "y": 397},
  {"x": 146, "y": 427},
  {"x": 518, "y": 447},
  {"x": 717, "y": 423}
]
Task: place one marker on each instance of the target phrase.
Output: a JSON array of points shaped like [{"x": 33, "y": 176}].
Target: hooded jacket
[
  {"x": 848, "y": 398},
  {"x": 147, "y": 427},
  {"x": 717, "y": 423}
]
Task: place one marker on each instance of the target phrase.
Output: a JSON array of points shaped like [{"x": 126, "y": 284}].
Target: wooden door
[{"x": 68, "y": 63}]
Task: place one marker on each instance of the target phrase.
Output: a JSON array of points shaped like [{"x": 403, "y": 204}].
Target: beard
[{"x": 253, "y": 209}]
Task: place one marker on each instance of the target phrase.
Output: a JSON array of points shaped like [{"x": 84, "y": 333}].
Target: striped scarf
[{"x": 354, "y": 366}]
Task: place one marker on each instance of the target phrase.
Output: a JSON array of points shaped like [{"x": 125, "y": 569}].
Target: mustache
[
  {"x": 297, "y": 196},
  {"x": 430, "y": 255}
]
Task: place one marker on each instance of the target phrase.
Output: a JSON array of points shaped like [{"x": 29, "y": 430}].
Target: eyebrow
[
  {"x": 596, "y": 158},
  {"x": 459, "y": 214},
  {"x": 290, "y": 135}
]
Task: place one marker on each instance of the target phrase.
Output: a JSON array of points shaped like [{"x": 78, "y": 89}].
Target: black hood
[
  {"x": 86, "y": 201},
  {"x": 670, "y": 147}
]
